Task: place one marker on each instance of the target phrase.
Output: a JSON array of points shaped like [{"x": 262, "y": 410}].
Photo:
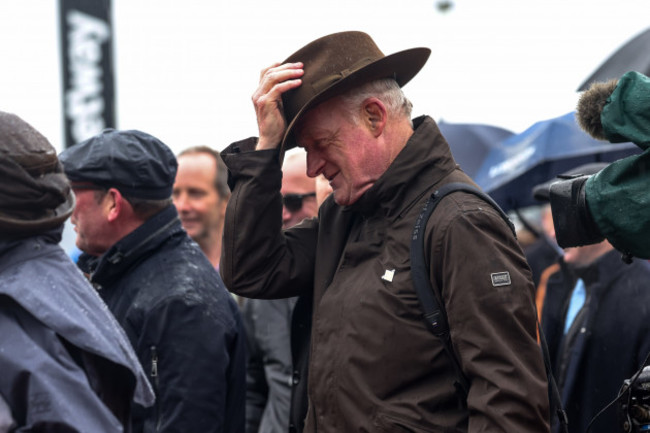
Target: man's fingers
[
  {"x": 273, "y": 75},
  {"x": 277, "y": 67},
  {"x": 267, "y": 99},
  {"x": 276, "y": 80},
  {"x": 265, "y": 70}
]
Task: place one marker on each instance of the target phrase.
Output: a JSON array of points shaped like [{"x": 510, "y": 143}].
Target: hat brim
[
  {"x": 401, "y": 66},
  {"x": 23, "y": 226}
]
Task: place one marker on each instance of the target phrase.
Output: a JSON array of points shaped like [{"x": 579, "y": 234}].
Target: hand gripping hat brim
[{"x": 339, "y": 62}]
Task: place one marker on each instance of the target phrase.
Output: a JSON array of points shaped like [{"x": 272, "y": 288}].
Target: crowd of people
[{"x": 268, "y": 288}]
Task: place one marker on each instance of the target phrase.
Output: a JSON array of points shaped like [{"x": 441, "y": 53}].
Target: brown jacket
[{"x": 374, "y": 365}]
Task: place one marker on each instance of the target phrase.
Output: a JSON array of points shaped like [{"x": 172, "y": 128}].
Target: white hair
[{"x": 386, "y": 90}]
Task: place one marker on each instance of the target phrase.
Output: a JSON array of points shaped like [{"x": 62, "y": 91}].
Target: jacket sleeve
[
  {"x": 259, "y": 259},
  {"x": 189, "y": 362},
  {"x": 44, "y": 387},
  {"x": 488, "y": 293}
]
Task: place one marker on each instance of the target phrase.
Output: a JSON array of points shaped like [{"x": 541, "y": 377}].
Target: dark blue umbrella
[
  {"x": 471, "y": 142},
  {"x": 546, "y": 149}
]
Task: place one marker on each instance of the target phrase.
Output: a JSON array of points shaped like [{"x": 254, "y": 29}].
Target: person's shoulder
[
  {"x": 637, "y": 273},
  {"x": 461, "y": 205},
  {"x": 186, "y": 269},
  {"x": 10, "y": 310},
  {"x": 180, "y": 275},
  {"x": 34, "y": 259}
]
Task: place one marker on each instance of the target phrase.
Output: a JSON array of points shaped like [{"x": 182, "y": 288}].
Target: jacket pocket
[{"x": 391, "y": 423}]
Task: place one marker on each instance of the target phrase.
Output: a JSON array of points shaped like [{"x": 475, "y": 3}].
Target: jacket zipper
[{"x": 155, "y": 384}]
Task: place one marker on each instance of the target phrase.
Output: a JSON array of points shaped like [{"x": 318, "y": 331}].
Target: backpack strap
[{"x": 435, "y": 315}]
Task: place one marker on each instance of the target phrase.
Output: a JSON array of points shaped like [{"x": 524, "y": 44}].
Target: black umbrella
[
  {"x": 632, "y": 56},
  {"x": 471, "y": 142}
]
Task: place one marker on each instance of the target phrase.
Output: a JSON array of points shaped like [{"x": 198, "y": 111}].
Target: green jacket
[{"x": 618, "y": 196}]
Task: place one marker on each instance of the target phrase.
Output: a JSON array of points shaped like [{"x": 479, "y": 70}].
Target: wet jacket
[
  {"x": 374, "y": 365},
  {"x": 66, "y": 363},
  {"x": 611, "y": 337},
  {"x": 184, "y": 325}
]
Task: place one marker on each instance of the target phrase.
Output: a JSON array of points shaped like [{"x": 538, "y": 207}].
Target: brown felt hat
[{"x": 339, "y": 62}]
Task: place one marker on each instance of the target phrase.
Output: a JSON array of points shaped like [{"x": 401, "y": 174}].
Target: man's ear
[
  {"x": 374, "y": 115},
  {"x": 114, "y": 204}
]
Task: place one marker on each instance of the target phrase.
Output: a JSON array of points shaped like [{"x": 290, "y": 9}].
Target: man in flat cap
[
  {"x": 66, "y": 363},
  {"x": 184, "y": 325},
  {"x": 374, "y": 364}
]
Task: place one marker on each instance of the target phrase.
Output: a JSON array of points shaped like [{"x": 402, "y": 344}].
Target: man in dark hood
[{"x": 66, "y": 364}]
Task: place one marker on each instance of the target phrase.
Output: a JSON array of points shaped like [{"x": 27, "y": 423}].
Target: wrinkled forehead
[
  {"x": 319, "y": 122},
  {"x": 305, "y": 127}
]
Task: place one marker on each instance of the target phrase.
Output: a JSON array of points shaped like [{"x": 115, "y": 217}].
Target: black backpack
[{"x": 435, "y": 315}]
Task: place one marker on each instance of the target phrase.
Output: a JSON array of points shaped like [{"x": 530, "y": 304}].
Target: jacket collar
[
  {"x": 602, "y": 271},
  {"x": 423, "y": 162},
  {"x": 132, "y": 247}
]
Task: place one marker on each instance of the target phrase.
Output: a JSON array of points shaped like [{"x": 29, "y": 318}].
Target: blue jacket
[
  {"x": 65, "y": 361},
  {"x": 185, "y": 327},
  {"x": 611, "y": 344}
]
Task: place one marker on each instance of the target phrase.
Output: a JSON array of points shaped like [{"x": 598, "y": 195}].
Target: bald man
[{"x": 298, "y": 191}]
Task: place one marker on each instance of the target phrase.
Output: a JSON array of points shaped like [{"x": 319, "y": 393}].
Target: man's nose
[
  {"x": 286, "y": 215},
  {"x": 181, "y": 202},
  {"x": 315, "y": 164}
]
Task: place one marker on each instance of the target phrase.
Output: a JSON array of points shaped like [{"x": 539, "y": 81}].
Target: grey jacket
[
  {"x": 65, "y": 361},
  {"x": 269, "y": 372}
]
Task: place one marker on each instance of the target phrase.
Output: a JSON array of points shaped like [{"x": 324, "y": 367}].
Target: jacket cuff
[{"x": 242, "y": 160}]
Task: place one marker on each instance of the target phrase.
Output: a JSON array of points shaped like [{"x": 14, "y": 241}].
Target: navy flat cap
[{"x": 136, "y": 163}]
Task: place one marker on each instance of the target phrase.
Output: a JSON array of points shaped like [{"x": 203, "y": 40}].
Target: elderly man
[
  {"x": 66, "y": 363},
  {"x": 185, "y": 327},
  {"x": 200, "y": 195},
  {"x": 374, "y": 364}
]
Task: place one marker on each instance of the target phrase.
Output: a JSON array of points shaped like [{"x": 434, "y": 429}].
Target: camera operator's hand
[{"x": 267, "y": 99}]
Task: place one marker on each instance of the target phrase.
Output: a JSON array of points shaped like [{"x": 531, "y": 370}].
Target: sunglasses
[{"x": 293, "y": 202}]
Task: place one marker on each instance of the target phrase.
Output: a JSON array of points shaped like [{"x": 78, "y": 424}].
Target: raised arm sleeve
[{"x": 259, "y": 259}]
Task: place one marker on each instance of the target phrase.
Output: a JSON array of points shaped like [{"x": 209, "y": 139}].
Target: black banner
[{"x": 87, "y": 65}]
